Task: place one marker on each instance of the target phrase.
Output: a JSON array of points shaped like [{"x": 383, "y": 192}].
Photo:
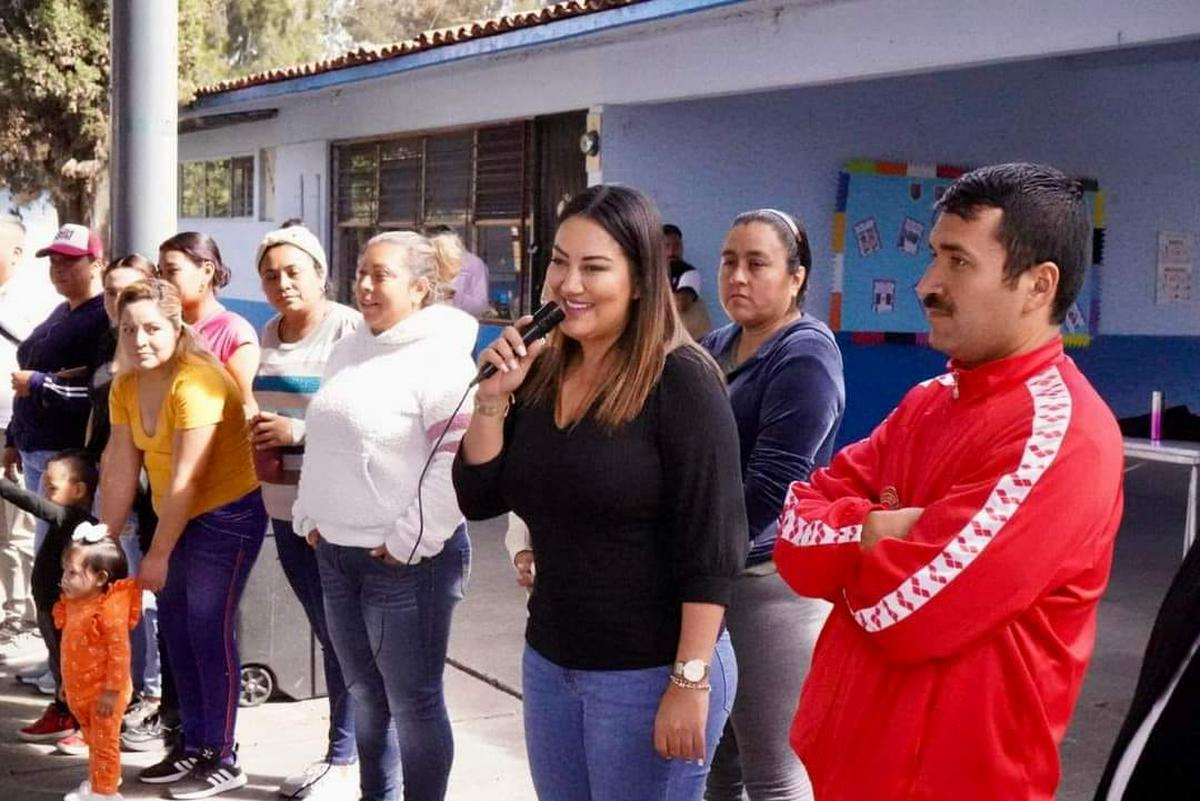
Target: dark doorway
[{"x": 561, "y": 172}]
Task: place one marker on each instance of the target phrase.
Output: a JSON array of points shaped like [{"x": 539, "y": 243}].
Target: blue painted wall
[
  {"x": 1124, "y": 370},
  {"x": 258, "y": 312},
  {"x": 1129, "y": 119}
]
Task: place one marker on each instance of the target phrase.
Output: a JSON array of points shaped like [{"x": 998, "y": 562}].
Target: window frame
[
  {"x": 348, "y": 233},
  {"x": 245, "y": 164}
]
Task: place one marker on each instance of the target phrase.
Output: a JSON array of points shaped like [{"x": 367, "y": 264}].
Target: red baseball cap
[{"x": 75, "y": 240}]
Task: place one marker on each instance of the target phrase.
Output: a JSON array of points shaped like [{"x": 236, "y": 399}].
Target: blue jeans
[
  {"x": 33, "y": 465},
  {"x": 590, "y": 733},
  {"x": 390, "y": 626},
  {"x": 145, "y": 665},
  {"x": 197, "y": 611},
  {"x": 299, "y": 563}
]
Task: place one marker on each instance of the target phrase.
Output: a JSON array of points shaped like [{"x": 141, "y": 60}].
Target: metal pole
[{"x": 145, "y": 115}]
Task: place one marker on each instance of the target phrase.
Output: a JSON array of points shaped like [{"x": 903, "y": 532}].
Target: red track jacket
[{"x": 952, "y": 660}]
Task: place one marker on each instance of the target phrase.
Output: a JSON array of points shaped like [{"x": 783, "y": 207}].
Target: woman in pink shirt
[{"x": 192, "y": 262}]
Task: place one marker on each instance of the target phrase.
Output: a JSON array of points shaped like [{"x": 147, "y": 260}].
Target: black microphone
[{"x": 543, "y": 322}]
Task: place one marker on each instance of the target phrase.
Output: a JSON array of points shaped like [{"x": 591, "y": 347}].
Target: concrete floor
[{"x": 281, "y": 737}]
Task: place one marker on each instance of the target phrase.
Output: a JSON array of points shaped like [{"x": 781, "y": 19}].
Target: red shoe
[{"x": 54, "y": 724}]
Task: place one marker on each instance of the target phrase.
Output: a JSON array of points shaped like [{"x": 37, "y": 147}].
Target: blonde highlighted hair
[
  {"x": 165, "y": 297},
  {"x": 434, "y": 260},
  {"x": 635, "y": 364}
]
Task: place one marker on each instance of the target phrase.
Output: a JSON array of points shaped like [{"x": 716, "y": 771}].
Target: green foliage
[
  {"x": 54, "y": 78},
  {"x": 54, "y": 68},
  {"x": 53, "y": 95},
  {"x": 260, "y": 34},
  {"x": 202, "y": 59},
  {"x": 386, "y": 21}
]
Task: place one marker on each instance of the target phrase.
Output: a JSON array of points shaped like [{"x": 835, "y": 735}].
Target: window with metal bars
[
  {"x": 475, "y": 181},
  {"x": 217, "y": 188}
]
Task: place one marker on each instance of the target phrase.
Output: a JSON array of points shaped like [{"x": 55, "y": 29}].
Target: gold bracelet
[
  {"x": 493, "y": 409},
  {"x": 681, "y": 682}
]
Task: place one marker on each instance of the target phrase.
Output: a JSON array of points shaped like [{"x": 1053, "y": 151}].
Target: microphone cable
[
  {"x": 549, "y": 315},
  {"x": 437, "y": 443}
]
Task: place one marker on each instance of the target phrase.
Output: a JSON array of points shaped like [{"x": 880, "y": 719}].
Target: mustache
[{"x": 934, "y": 302}]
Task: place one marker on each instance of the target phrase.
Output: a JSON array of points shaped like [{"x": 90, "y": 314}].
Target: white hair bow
[{"x": 90, "y": 532}]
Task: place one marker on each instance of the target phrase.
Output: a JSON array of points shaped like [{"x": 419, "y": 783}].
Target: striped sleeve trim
[
  {"x": 1051, "y": 418},
  {"x": 455, "y": 424},
  {"x": 70, "y": 391},
  {"x": 287, "y": 384},
  {"x": 806, "y": 533}
]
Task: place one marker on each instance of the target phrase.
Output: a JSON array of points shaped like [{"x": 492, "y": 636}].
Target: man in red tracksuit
[{"x": 965, "y": 544}]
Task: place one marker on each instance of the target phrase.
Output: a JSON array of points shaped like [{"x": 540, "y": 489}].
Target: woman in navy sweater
[{"x": 784, "y": 373}]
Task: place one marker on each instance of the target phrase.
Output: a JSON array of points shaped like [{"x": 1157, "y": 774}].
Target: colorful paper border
[{"x": 915, "y": 170}]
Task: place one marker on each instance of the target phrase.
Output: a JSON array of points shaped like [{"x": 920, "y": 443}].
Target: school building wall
[{"x": 1128, "y": 119}]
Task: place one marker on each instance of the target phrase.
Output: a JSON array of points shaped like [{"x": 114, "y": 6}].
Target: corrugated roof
[{"x": 428, "y": 40}]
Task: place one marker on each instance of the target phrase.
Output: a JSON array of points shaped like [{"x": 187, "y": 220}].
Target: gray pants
[
  {"x": 16, "y": 563},
  {"x": 773, "y": 631}
]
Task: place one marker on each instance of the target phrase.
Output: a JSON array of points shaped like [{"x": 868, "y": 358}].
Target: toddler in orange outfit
[{"x": 99, "y": 606}]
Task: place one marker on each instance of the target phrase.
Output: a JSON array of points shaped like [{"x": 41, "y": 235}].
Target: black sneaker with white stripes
[
  {"x": 176, "y": 766},
  {"x": 209, "y": 777}
]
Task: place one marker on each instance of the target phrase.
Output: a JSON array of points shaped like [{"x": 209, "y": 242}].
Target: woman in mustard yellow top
[{"x": 176, "y": 412}]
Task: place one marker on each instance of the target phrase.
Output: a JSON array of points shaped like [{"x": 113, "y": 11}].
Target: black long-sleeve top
[
  {"x": 626, "y": 525},
  {"x": 47, "y": 565},
  {"x": 100, "y": 380},
  {"x": 54, "y": 414}
]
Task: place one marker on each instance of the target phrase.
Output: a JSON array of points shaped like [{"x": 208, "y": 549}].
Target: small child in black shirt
[{"x": 68, "y": 487}]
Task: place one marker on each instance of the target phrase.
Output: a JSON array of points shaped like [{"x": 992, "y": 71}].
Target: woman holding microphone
[{"x": 613, "y": 439}]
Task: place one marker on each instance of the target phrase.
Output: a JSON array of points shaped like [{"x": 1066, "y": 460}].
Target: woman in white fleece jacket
[{"x": 392, "y": 569}]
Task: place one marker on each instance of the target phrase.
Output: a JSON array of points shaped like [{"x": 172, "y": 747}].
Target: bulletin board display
[{"x": 885, "y": 211}]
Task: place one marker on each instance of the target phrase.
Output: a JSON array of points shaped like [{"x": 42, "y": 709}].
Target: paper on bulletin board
[
  {"x": 888, "y": 218},
  {"x": 1175, "y": 251}
]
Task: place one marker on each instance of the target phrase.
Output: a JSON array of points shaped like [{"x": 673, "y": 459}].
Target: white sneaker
[
  {"x": 322, "y": 781},
  {"x": 23, "y": 648},
  {"x": 84, "y": 790},
  {"x": 31, "y": 674},
  {"x": 46, "y": 685},
  {"x": 84, "y": 793}
]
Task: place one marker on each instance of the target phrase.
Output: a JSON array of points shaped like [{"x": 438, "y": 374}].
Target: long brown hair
[
  {"x": 165, "y": 296},
  {"x": 634, "y": 365}
]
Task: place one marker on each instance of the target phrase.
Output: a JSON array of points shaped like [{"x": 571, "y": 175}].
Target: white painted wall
[
  {"x": 301, "y": 190},
  {"x": 1131, "y": 126},
  {"x": 751, "y": 46}
]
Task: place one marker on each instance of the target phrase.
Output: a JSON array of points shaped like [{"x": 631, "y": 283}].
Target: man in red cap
[
  {"x": 76, "y": 260},
  {"x": 44, "y": 422}
]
